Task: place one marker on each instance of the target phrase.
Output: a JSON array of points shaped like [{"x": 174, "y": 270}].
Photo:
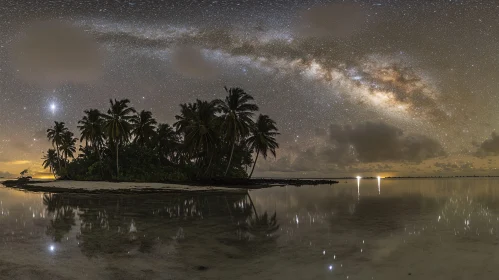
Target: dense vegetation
[{"x": 209, "y": 139}]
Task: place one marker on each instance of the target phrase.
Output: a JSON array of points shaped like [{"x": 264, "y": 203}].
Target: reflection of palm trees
[
  {"x": 257, "y": 227},
  {"x": 260, "y": 227},
  {"x": 106, "y": 231},
  {"x": 52, "y": 202},
  {"x": 62, "y": 223},
  {"x": 64, "y": 216},
  {"x": 119, "y": 224}
]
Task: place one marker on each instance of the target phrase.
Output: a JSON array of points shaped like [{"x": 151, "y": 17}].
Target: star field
[{"x": 415, "y": 81}]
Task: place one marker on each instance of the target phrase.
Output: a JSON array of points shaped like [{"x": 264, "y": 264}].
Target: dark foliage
[{"x": 210, "y": 139}]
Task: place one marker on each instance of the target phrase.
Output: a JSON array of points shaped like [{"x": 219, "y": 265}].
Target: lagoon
[{"x": 397, "y": 229}]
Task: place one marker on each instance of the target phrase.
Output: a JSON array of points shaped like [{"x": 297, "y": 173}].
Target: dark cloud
[
  {"x": 348, "y": 147},
  {"x": 332, "y": 20},
  {"x": 320, "y": 132},
  {"x": 190, "y": 62},
  {"x": 489, "y": 147},
  {"x": 54, "y": 53},
  {"x": 379, "y": 142},
  {"x": 40, "y": 134},
  {"x": 20, "y": 146}
]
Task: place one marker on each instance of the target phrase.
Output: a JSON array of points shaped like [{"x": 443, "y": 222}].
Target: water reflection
[
  {"x": 121, "y": 224},
  {"x": 312, "y": 232}
]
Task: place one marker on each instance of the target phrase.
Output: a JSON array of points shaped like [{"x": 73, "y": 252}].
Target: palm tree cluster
[{"x": 209, "y": 139}]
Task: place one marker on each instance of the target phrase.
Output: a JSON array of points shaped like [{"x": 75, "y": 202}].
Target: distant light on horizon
[
  {"x": 379, "y": 184},
  {"x": 358, "y": 177}
]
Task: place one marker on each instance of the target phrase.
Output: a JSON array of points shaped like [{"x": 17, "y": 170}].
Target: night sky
[{"x": 356, "y": 87}]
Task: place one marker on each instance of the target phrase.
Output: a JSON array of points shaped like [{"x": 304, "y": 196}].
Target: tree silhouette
[
  {"x": 91, "y": 129},
  {"x": 50, "y": 161},
  {"x": 237, "y": 110},
  {"x": 55, "y": 135},
  {"x": 68, "y": 146},
  {"x": 143, "y": 127},
  {"x": 117, "y": 125},
  {"x": 262, "y": 139}
]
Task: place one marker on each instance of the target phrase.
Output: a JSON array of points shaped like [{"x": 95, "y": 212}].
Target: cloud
[
  {"x": 43, "y": 175},
  {"x": 53, "y": 53},
  {"x": 19, "y": 162},
  {"x": 454, "y": 167},
  {"x": 6, "y": 174},
  {"x": 333, "y": 20},
  {"x": 7, "y": 161},
  {"x": 190, "y": 62},
  {"x": 20, "y": 145},
  {"x": 366, "y": 146},
  {"x": 489, "y": 147},
  {"x": 380, "y": 142},
  {"x": 40, "y": 134}
]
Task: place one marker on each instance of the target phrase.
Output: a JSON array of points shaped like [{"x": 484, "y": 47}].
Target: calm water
[{"x": 400, "y": 229}]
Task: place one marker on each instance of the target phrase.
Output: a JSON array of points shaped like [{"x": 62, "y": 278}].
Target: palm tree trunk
[
  {"x": 117, "y": 166},
  {"x": 230, "y": 158},
  {"x": 58, "y": 157},
  {"x": 254, "y": 164},
  {"x": 209, "y": 165},
  {"x": 100, "y": 160}
]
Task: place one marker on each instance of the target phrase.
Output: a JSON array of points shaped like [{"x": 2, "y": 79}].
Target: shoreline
[{"x": 211, "y": 185}]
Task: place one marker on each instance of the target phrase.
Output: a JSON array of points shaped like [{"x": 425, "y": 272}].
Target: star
[{"x": 53, "y": 108}]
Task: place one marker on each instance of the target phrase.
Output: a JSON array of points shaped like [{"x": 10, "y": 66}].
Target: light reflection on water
[{"x": 362, "y": 229}]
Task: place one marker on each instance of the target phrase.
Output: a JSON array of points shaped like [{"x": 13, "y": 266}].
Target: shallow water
[{"x": 400, "y": 229}]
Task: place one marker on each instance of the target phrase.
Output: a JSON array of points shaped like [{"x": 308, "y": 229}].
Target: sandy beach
[{"x": 102, "y": 187}]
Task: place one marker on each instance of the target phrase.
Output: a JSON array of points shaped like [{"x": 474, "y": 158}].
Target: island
[{"x": 212, "y": 145}]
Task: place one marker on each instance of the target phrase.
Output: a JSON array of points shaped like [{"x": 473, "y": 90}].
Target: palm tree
[
  {"x": 91, "y": 129},
  {"x": 237, "y": 110},
  {"x": 167, "y": 141},
  {"x": 143, "y": 127},
  {"x": 68, "y": 147},
  {"x": 117, "y": 124},
  {"x": 50, "y": 160},
  {"x": 198, "y": 123},
  {"x": 262, "y": 138},
  {"x": 55, "y": 135}
]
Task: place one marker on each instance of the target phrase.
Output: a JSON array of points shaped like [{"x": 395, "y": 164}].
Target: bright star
[{"x": 53, "y": 107}]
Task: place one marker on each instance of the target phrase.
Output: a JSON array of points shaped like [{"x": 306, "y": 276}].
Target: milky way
[{"x": 422, "y": 73}]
